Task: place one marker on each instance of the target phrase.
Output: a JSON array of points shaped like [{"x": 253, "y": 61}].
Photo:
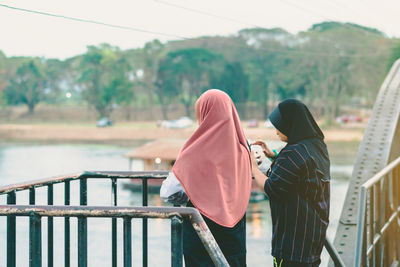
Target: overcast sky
[{"x": 25, "y": 34}]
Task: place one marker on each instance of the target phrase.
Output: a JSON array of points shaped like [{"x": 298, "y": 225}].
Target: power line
[
  {"x": 93, "y": 22},
  {"x": 206, "y": 13},
  {"x": 306, "y": 10},
  {"x": 169, "y": 35},
  {"x": 249, "y": 24}
]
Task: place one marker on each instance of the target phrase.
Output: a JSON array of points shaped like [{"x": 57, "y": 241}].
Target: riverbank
[{"x": 141, "y": 131}]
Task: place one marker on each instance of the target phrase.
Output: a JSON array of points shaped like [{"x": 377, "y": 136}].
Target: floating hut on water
[{"x": 160, "y": 155}]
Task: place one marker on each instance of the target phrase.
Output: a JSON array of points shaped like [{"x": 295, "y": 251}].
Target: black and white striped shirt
[{"x": 299, "y": 201}]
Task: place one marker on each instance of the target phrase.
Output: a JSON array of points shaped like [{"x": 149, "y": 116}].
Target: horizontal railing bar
[
  {"x": 101, "y": 211},
  {"x": 379, "y": 235},
  {"x": 370, "y": 182},
  {"x": 38, "y": 183},
  {"x": 130, "y": 174},
  {"x": 88, "y": 174},
  {"x": 192, "y": 214}
]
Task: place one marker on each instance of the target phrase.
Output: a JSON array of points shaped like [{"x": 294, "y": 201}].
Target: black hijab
[{"x": 292, "y": 118}]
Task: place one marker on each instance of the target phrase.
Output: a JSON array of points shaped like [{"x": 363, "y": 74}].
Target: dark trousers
[
  {"x": 285, "y": 263},
  {"x": 199, "y": 261},
  {"x": 232, "y": 242}
]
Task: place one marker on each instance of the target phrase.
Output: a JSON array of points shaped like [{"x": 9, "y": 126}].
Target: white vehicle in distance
[
  {"x": 104, "y": 122},
  {"x": 182, "y": 122}
]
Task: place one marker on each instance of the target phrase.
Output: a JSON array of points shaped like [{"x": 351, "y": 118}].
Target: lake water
[{"x": 22, "y": 162}]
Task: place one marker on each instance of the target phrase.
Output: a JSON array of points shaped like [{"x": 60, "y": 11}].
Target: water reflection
[{"x": 255, "y": 220}]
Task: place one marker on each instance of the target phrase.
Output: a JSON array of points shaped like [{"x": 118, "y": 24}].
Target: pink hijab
[{"x": 214, "y": 164}]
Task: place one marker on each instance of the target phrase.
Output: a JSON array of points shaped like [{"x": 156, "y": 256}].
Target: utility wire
[
  {"x": 312, "y": 12},
  {"x": 93, "y": 22},
  {"x": 206, "y": 13},
  {"x": 253, "y": 25},
  {"x": 169, "y": 35}
]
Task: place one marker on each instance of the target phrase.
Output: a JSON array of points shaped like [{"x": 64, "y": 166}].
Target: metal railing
[
  {"x": 176, "y": 215},
  {"x": 36, "y": 213},
  {"x": 83, "y": 211},
  {"x": 378, "y": 230}
]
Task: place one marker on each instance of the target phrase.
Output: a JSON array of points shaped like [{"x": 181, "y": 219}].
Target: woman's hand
[
  {"x": 254, "y": 162},
  {"x": 258, "y": 176},
  {"x": 267, "y": 151}
]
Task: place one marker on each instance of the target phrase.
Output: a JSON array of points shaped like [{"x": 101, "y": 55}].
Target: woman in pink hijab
[{"x": 214, "y": 170}]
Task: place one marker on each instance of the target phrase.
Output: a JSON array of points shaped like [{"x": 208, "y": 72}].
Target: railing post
[
  {"x": 371, "y": 222},
  {"x": 379, "y": 222},
  {"x": 114, "y": 223},
  {"x": 386, "y": 241},
  {"x": 176, "y": 242},
  {"x": 82, "y": 227},
  {"x": 50, "y": 229},
  {"x": 11, "y": 240},
  {"x": 32, "y": 232},
  {"x": 144, "y": 230},
  {"x": 396, "y": 198},
  {"x": 333, "y": 253},
  {"x": 35, "y": 241},
  {"x": 32, "y": 196},
  {"x": 127, "y": 242},
  {"x": 67, "y": 226},
  {"x": 361, "y": 230}
]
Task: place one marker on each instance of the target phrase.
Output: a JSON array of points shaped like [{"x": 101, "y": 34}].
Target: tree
[
  {"x": 105, "y": 81},
  {"x": 152, "y": 52},
  {"x": 262, "y": 69},
  {"x": 395, "y": 55},
  {"x": 189, "y": 71},
  {"x": 2, "y": 75},
  {"x": 27, "y": 85},
  {"x": 166, "y": 86},
  {"x": 55, "y": 71},
  {"x": 235, "y": 82}
]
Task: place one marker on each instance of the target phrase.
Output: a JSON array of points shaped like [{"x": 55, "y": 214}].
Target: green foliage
[
  {"x": 332, "y": 25},
  {"x": 187, "y": 73},
  {"x": 27, "y": 85},
  {"x": 55, "y": 76},
  {"x": 234, "y": 81},
  {"x": 326, "y": 66},
  {"x": 394, "y": 55},
  {"x": 105, "y": 79},
  {"x": 2, "y": 75}
]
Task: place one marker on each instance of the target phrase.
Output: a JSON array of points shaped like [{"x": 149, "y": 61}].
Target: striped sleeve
[{"x": 285, "y": 174}]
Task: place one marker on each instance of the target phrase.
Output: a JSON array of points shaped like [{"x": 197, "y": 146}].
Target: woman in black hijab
[{"x": 297, "y": 185}]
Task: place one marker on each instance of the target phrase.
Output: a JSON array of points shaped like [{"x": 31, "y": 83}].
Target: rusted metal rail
[
  {"x": 176, "y": 215},
  {"x": 82, "y": 212},
  {"x": 82, "y": 178}
]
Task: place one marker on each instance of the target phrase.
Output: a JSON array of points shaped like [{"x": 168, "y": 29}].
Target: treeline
[{"x": 330, "y": 65}]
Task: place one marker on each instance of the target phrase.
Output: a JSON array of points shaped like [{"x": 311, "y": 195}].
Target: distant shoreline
[{"x": 138, "y": 133}]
